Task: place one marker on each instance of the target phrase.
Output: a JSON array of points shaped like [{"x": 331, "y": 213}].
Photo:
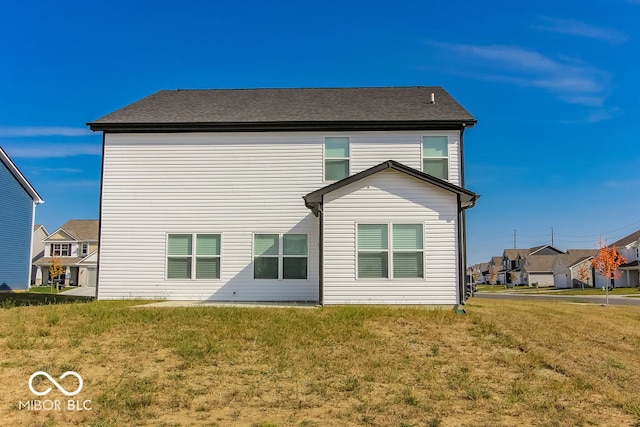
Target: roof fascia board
[
  {"x": 281, "y": 126},
  {"x": 314, "y": 199},
  {"x": 4, "y": 158}
]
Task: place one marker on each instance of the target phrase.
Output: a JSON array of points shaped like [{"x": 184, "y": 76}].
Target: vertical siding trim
[
  {"x": 321, "y": 253},
  {"x": 99, "y": 254},
  {"x": 461, "y": 158}
]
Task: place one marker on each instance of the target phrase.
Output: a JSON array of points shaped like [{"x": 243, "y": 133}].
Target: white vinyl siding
[
  {"x": 390, "y": 197},
  {"x": 236, "y": 184}
]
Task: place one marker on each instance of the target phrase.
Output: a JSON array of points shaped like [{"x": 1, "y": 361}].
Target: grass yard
[{"x": 504, "y": 363}]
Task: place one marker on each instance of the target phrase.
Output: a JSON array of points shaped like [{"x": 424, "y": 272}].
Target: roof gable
[
  {"x": 13, "y": 169},
  {"x": 314, "y": 199},
  {"x": 627, "y": 240},
  {"x": 82, "y": 230},
  {"x": 290, "y": 109},
  {"x": 60, "y": 235}
]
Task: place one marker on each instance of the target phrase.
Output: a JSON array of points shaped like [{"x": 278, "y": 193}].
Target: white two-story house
[
  {"x": 334, "y": 196},
  {"x": 75, "y": 245},
  {"x": 629, "y": 247}
]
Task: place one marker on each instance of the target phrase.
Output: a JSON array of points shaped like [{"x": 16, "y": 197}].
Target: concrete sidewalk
[
  {"x": 264, "y": 304},
  {"x": 81, "y": 291}
]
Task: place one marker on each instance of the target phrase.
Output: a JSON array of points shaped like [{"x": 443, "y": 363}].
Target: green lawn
[
  {"x": 504, "y": 363},
  {"x": 18, "y": 299},
  {"x": 42, "y": 290}
]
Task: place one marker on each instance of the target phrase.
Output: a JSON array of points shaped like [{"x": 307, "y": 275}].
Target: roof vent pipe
[{"x": 433, "y": 98}]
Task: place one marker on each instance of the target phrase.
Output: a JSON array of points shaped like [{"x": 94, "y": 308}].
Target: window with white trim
[
  {"x": 193, "y": 256},
  {"x": 393, "y": 251},
  {"x": 435, "y": 156},
  {"x": 84, "y": 249},
  {"x": 280, "y": 256},
  {"x": 336, "y": 158},
  {"x": 61, "y": 249}
]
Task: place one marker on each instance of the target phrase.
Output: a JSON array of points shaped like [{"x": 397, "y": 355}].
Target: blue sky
[{"x": 554, "y": 86}]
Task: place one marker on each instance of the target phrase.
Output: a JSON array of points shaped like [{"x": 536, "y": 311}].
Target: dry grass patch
[{"x": 504, "y": 363}]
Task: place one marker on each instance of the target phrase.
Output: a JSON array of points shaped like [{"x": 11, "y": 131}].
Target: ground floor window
[
  {"x": 193, "y": 256},
  {"x": 280, "y": 256},
  {"x": 390, "y": 251}
]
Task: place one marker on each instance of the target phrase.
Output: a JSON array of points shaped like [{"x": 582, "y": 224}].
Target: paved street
[{"x": 587, "y": 299}]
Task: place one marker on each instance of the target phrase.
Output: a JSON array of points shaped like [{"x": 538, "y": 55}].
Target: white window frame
[
  {"x": 84, "y": 249},
  {"x": 58, "y": 251},
  {"x": 390, "y": 251},
  {"x": 447, "y": 157},
  {"x": 193, "y": 256},
  {"x": 280, "y": 255},
  {"x": 325, "y": 158}
]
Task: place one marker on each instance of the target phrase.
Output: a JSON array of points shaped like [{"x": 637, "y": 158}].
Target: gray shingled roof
[
  {"x": 242, "y": 107},
  {"x": 574, "y": 256},
  {"x": 539, "y": 263},
  {"x": 628, "y": 239}
]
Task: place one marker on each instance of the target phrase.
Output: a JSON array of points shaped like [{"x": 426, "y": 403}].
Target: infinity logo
[{"x": 58, "y": 386}]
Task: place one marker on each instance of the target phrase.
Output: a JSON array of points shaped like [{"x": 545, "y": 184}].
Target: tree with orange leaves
[
  {"x": 607, "y": 262},
  {"x": 583, "y": 274}
]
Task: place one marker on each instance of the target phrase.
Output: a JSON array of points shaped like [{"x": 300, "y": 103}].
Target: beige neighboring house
[
  {"x": 537, "y": 270},
  {"x": 567, "y": 266},
  {"x": 76, "y": 245},
  {"x": 37, "y": 248}
]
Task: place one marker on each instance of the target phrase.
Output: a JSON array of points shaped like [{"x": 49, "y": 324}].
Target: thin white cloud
[
  {"x": 61, "y": 170},
  {"x": 599, "y": 115},
  {"x": 568, "y": 79},
  {"x": 29, "y": 131},
  {"x": 41, "y": 151},
  {"x": 581, "y": 29}
]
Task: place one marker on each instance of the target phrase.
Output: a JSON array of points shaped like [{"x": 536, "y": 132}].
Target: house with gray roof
[
  {"x": 75, "y": 246},
  {"x": 327, "y": 195},
  {"x": 17, "y": 214},
  {"x": 537, "y": 270},
  {"x": 573, "y": 269},
  {"x": 629, "y": 247}
]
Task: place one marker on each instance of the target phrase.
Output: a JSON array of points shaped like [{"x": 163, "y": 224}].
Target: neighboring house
[
  {"x": 537, "y": 270},
  {"x": 495, "y": 273},
  {"x": 337, "y": 196},
  {"x": 629, "y": 247},
  {"x": 37, "y": 248},
  {"x": 513, "y": 260},
  {"x": 17, "y": 213},
  {"x": 568, "y": 266},
  {"x": 75, "y": 244},
  {"x": 477, "y": 272}
]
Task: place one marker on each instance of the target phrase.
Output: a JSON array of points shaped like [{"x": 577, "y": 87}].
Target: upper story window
[
  {"x": 435, "y": 156},
  {"x": 84, "y": 250},
  {"x": 61, "y": 249},
  {"x": 181, "y": 262},
  {"x": 336, "y": 158}
]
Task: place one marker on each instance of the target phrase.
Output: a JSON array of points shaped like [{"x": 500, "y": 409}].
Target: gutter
[{"x": 145, "y": 127}]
